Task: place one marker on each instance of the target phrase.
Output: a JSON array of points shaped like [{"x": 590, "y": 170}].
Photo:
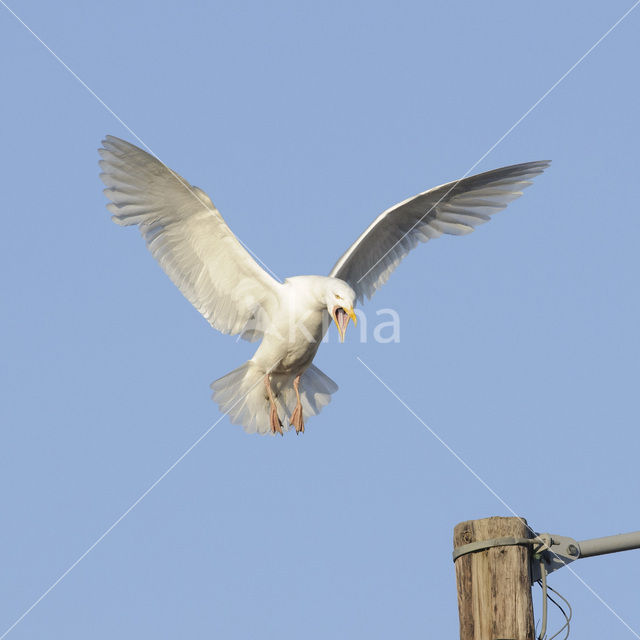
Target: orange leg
[
  {"x": 274, "y": 420},
  {"x": 296, "y": 417}
]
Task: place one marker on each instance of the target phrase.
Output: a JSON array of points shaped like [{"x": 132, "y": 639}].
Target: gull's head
[{"x": 340, "y": 301}]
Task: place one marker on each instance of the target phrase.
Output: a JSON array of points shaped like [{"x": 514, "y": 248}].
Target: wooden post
[{"x": 494, "y": 585}]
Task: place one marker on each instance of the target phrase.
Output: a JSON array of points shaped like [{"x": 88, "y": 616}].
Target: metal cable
[
  {"x": 567, "y": 617},
  {"x": 545, "y": 596},
  {"x": 543, "y": 584}
]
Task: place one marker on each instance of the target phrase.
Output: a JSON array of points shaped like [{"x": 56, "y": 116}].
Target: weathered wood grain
[{"x": 494, "y": 585}]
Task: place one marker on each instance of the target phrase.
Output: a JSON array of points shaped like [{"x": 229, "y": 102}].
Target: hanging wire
[
  {"x": 545, "y": 596},
  {"x": 543, "y": 584},
  {"x": 566, "y": 617}
]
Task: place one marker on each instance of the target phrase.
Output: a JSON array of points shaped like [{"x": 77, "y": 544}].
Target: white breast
[{"x": 293, "y": 337}]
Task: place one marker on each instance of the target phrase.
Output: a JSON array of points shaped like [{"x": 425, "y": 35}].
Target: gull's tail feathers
[{"x": 242, "y": 395}]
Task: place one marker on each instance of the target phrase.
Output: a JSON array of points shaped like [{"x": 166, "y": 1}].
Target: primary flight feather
[{"x": 280, "y": 387}]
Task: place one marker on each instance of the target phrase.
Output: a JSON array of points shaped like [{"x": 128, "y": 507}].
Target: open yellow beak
[{"x": 341, "y": 317}]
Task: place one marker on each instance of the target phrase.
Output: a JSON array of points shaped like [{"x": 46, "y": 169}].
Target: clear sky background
[{"x": 303, "y": 121}]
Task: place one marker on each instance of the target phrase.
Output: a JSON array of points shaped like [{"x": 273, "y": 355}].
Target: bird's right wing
[
  {"x": 189, "y": 238},
  {"x": 455, "y": 208}
]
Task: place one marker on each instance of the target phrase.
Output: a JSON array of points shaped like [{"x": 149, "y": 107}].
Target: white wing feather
[
  {"x": 188, "y": 237},
  {"x": 454, "y": 208}
]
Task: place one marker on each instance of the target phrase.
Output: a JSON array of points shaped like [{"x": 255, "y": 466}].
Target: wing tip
[
  {"x": 119, "y": 221},
  {"x": 107, "y": 142},
  {"x": 536, "y": 167}
]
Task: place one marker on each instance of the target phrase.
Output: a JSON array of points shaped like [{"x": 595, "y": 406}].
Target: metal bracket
[
  {"x": 555, "y": 551},
  {"x": 558, "y": 551}
]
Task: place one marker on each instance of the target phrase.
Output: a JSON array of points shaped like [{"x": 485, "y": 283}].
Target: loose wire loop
[{"x": 545, "y": 596}]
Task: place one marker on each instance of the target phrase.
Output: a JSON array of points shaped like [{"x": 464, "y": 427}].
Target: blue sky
[{"x": 303, "y": 121}]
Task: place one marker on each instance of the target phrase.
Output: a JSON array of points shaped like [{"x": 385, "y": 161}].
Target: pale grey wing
[
  {"x": 454, "y": 208},
  {"x": 188, "y": 237}
]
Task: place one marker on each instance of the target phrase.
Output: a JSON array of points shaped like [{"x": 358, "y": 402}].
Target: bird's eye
[{"x": 338, "y": 297}]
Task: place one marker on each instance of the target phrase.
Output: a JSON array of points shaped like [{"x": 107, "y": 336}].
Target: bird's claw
[
  {"x": 296, "y": 419},
  {"x": 276, "y": 425}
]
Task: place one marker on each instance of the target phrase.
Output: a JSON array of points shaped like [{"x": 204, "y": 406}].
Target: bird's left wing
[
  {"x": 189, "y": 238},
  {"x": 455, "y": 208}
]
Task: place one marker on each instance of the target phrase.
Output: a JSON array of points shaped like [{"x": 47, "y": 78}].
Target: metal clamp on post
[
  {"x": 481, "y": 545},
  {"x": 556, "y": 551}
]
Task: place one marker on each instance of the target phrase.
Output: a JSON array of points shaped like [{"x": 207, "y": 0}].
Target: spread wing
[
  {"x": 455, "y": 208},
  {"x": 188, "y": 237}
]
